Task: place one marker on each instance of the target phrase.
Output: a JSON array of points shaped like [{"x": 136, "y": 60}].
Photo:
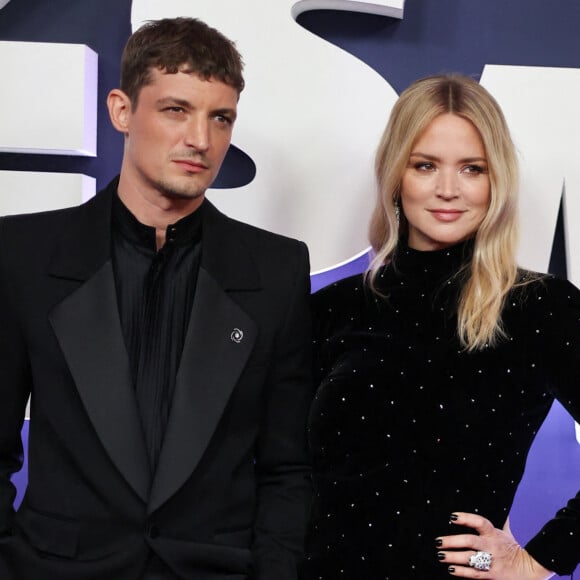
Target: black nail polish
[
  {"x": 451, "y": 569},
  {"x": 453, "y": 517},
  {"x": 441, "y": 555},
  {"x": 438, "y": 542}
]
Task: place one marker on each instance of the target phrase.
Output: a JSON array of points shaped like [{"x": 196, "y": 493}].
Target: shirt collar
[{"x": 185, "y": 231}]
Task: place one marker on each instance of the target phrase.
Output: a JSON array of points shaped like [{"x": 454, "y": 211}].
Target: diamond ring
[{"x": 480, "y": 560}]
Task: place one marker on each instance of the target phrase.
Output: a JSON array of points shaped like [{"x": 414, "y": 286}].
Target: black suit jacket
[{"x": 231, "y": 491}]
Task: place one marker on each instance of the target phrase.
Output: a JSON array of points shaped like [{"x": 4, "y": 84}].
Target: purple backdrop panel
[
  {"x": 327, "y": 277},
  {"x": 21, "y": 478},
  {"x": 552, "y": 476}
]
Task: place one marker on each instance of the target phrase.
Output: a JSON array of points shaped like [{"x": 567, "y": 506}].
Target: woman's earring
[{"x": 397, "y": 204}]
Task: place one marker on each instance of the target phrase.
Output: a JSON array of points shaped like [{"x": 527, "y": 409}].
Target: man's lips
[
  {"x": 190, "y": 165},
  {"x": 446, "y": 215}
]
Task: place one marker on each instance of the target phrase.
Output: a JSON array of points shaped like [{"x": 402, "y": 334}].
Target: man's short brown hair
[{"x": 179, "y": 44}]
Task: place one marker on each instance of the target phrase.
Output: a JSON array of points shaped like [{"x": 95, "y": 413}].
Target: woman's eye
[
  {"x": 424, "y": 166},
  {"x": 473, "y": 169}
]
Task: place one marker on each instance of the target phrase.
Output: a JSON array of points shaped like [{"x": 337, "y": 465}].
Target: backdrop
[{"x": 320, "y": 85}]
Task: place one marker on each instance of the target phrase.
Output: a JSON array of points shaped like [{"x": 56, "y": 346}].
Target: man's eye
[{"x": 223, "y": 119}]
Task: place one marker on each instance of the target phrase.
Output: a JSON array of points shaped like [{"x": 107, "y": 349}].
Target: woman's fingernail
[
  {"x": 441, "y": 555},
  {"x": 453, "y": 517},
  {"x": 438, "y": 542},
  {"x": 451, "y": 569}
]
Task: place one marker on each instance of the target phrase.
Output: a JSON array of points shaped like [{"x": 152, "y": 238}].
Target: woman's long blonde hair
[{"x": 493, "y": 268}]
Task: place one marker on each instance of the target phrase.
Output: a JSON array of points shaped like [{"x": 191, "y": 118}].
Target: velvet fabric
[{"x": 407, "y": 427}]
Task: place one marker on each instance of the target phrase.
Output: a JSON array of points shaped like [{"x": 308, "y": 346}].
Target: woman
[{"x": 439, "y": 365}]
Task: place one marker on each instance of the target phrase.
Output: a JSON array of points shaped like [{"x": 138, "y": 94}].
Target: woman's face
[{"x": 445, "y": 189}]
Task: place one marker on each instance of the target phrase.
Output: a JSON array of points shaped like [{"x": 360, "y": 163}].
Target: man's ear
[{"x": 119, "y": 105}]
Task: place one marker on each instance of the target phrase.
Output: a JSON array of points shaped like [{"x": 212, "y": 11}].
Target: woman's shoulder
[
  {"x": 545, "y": 285},
  {"x": 338, "y": 288},
  {"x": 343, "y": 302},
  {"x": 545, "y": 293},
  {"x": 339, "y": 295}
]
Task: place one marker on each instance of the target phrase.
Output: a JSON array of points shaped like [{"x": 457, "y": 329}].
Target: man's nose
[{"x": 197, "y": 134}]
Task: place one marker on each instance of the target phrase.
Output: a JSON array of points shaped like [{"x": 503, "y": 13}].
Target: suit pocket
[{"x": 49, "y": 534}]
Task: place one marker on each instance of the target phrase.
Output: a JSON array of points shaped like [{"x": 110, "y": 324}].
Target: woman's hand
[{"x": 509, "y": 561}]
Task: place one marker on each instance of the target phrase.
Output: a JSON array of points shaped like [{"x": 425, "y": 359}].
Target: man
[{"x": 165, "y": 347}]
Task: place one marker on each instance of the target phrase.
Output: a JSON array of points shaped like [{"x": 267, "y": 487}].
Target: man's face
[{"x": 177, "y": 135}]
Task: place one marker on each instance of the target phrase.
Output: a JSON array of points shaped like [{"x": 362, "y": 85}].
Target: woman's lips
[{"x": 446, "y": 215}]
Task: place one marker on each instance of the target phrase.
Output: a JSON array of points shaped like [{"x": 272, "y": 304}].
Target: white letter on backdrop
[{"x": 310, "y": 118}]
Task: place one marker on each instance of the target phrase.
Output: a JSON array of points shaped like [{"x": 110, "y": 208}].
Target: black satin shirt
[{"x": 155, "y": 291}]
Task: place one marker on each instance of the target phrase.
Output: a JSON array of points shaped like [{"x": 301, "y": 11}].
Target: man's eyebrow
[{"x": 174, "y": 101}]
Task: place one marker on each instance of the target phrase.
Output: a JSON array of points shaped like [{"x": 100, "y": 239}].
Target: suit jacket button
[{"x": 152, "y": 531}]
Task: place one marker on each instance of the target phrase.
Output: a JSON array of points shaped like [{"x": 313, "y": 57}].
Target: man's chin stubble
[{"x": 180, "y": 193}]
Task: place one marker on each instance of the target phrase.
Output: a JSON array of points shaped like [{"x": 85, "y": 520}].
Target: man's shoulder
[
  {"x": 245, "y": 250},
  {"x": 41, "y": 229},
  {"x": 263, "y": 236},
  {"x": 36, "y": 223},
  {"x": 54, "y": 216},
  {"x": 258, "y": 237}
]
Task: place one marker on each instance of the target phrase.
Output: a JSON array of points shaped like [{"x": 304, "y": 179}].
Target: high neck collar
[{"x": 433, "y": 265}]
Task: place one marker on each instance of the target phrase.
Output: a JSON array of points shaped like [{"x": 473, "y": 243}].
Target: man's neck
[{"x": 156, "y": 211}]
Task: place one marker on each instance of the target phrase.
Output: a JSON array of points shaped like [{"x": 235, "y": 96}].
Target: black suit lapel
[
  {"x": 219, "y": 340},
  {"x": 88, "y": 329}
]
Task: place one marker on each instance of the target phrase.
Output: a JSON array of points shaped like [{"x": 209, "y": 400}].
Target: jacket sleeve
[
  {"x": 557, "y": 545},
  {"x": 283, "y": 470},
  {"x": 14, "y": 387}
]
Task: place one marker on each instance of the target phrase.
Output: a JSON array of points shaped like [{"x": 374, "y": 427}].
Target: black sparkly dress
[{"x": 406, "y": 427}]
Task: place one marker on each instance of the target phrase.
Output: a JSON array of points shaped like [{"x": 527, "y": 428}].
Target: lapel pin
[{"x": 237, "y": 335}]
